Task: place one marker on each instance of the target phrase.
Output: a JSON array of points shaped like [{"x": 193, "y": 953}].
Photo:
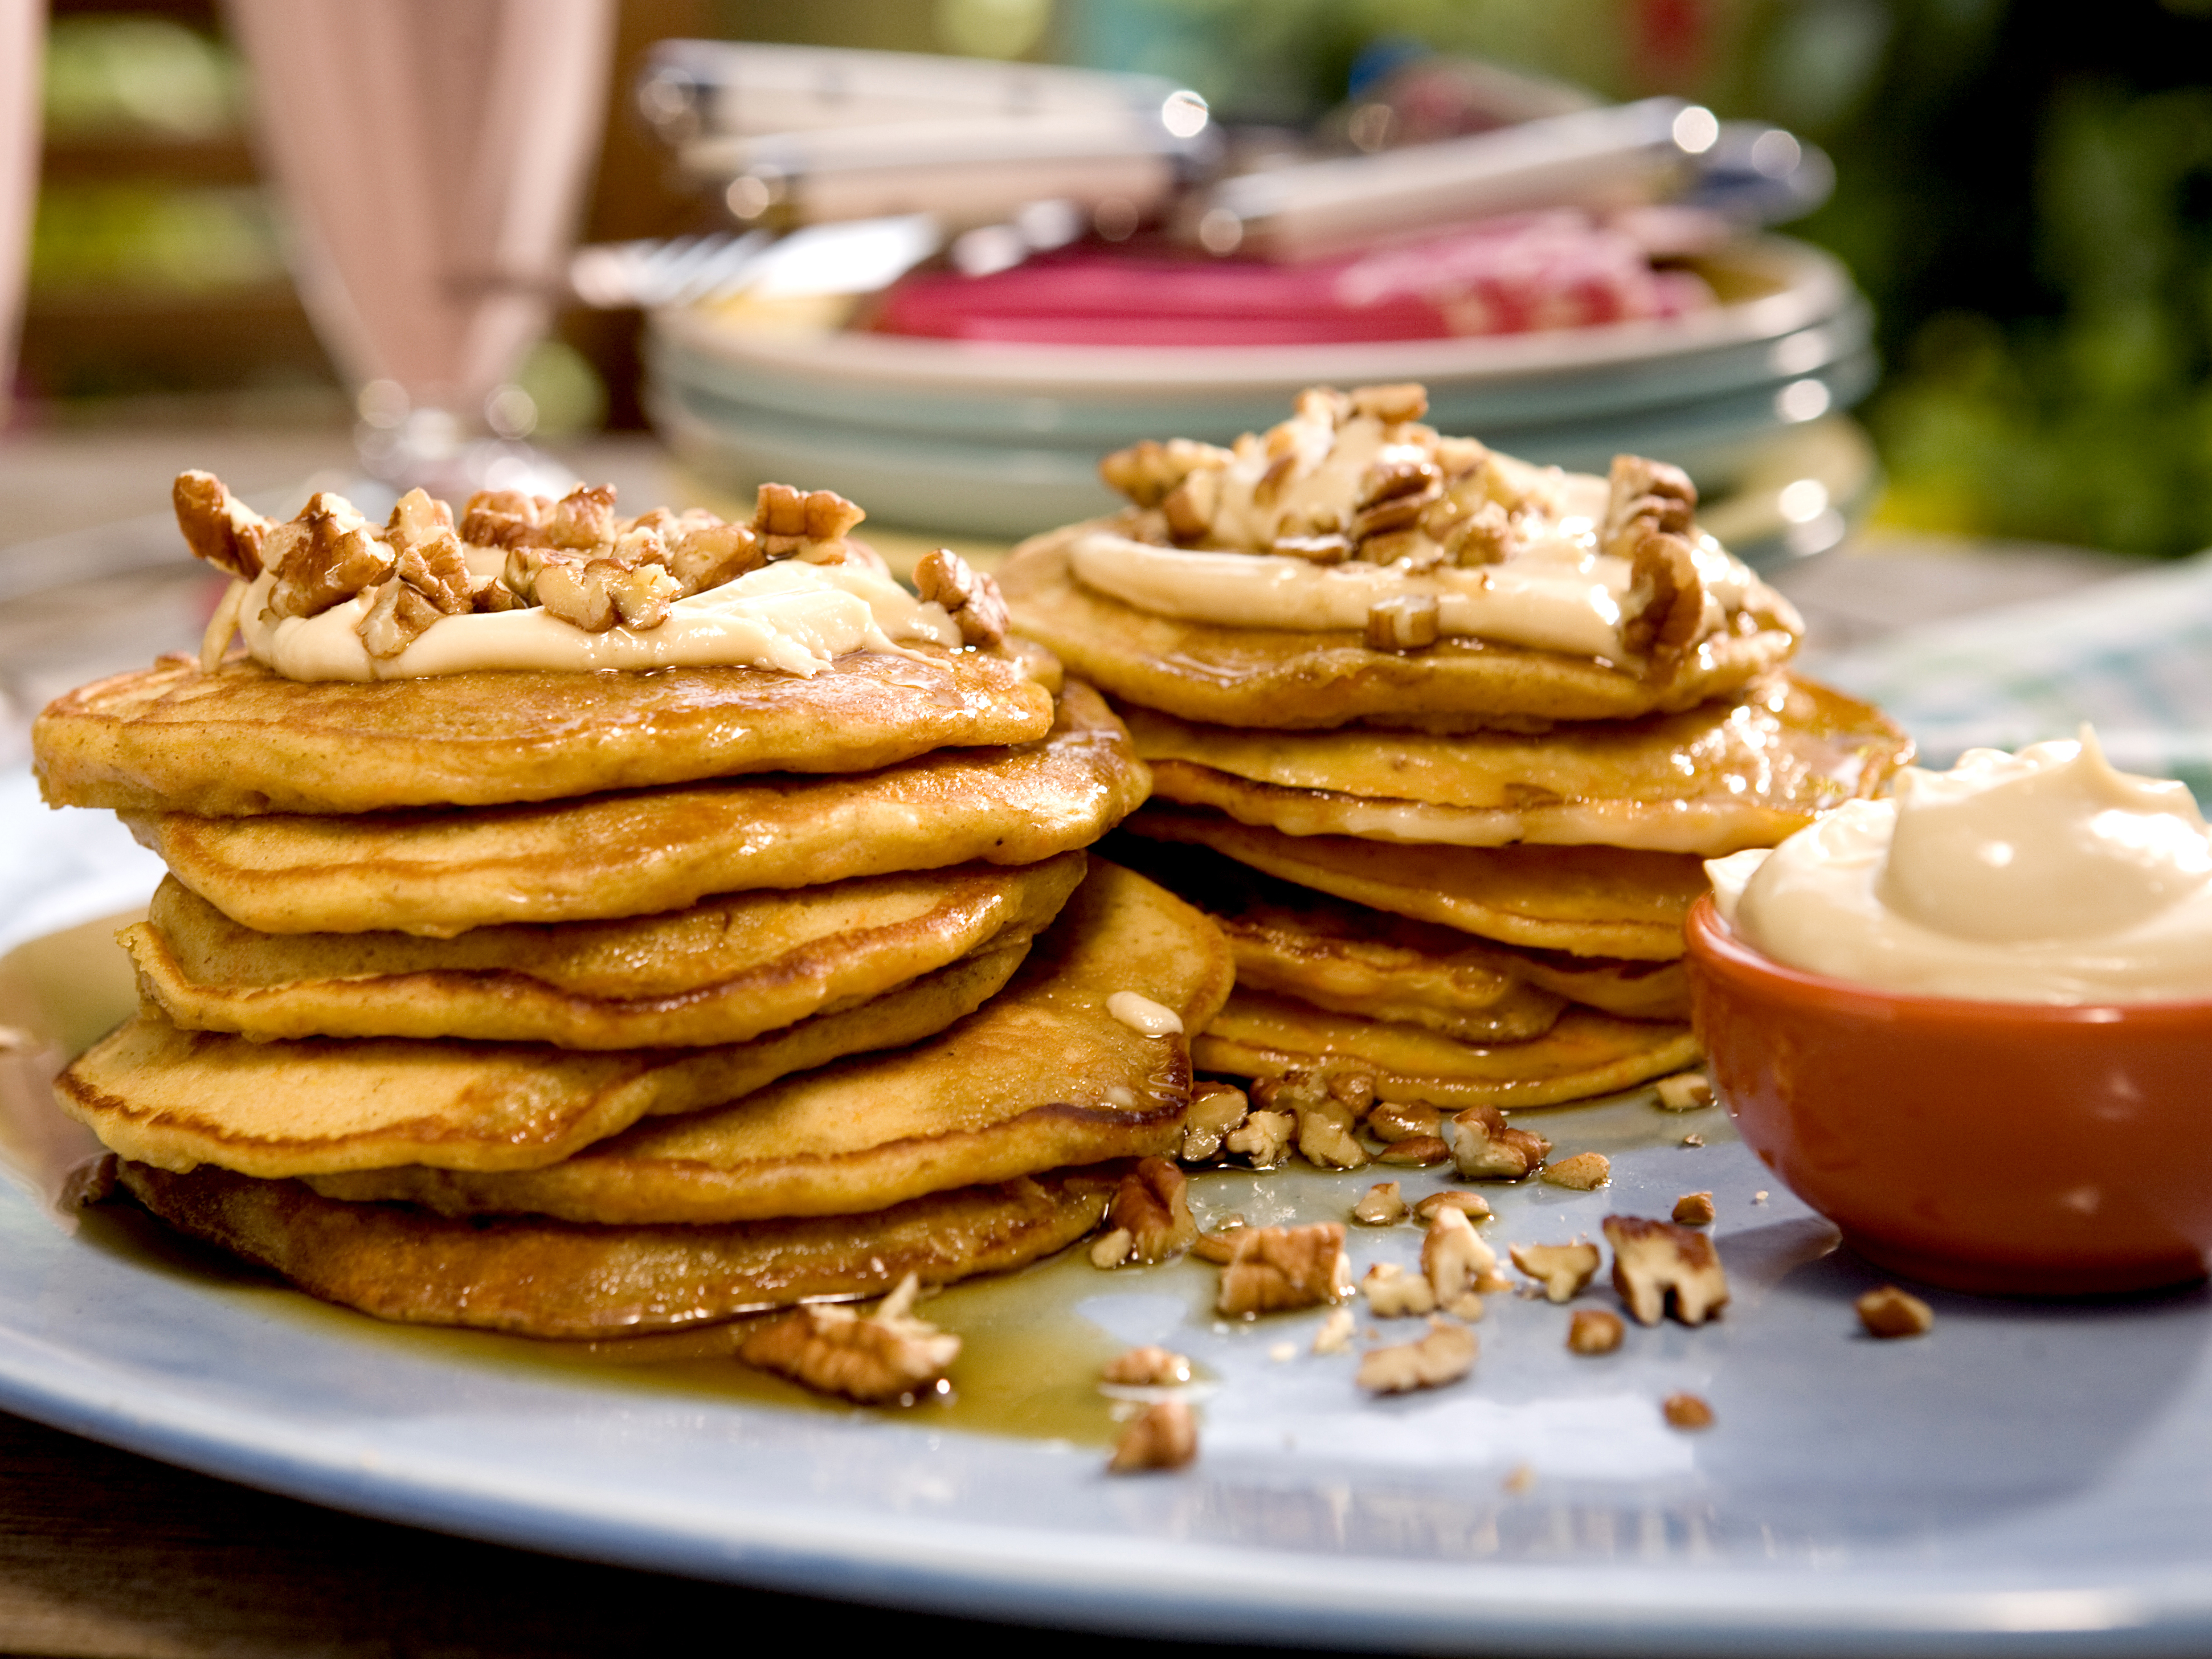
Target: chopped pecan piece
[
  {"x": 787, "y": 518},
  {"x": 972, "y": 598},
  {"x": 1153, "y": 1206},
  {"x": 1444, "y": 1355},
  {"x": 1325, "y": 1120},
  {"x": 322, "y": 558},
  {"x": 704, "y": 552},
  {"x": 217, "y": 526},
  {"x": 1263, "y": 1137},
  {"x": 1479, "y": 535},
  {"x": 1685, "y": 1091},
  {"x": 1148, "y": 1367},
  {"x": 1658, "y": 1267},
  {"x": 1391, "y": 405},
  {"x": 1594, "y": 1330},
  {"x": 1459, "y": 1263},
  {"x": 1485, "y": 1147},
  {"x": 1562, "y": 1269},
  {"x": 583, "y": 520},
  {"x": 1380, "y": 1206},
  {"x": 1585, "y": 1172},
  {"x": 1216, "y": 1110},
  {"x": 1146, "y": 471},
  {"x": 888, "y": 1355},
  {"x": 434, "y": 567},
  {"x": 416, "y": 519},
  {"x": 1393, "y": 1293},
  {"x": 1647, "y": 493},
  {"x": 1686, "y": 1412},
  {"x": 1889, "y": 1312},
  {"x": 1420, "y": 1152},
  {"x": 1474, "y": 1206},
  {"x": 580, "y": 591},
  {"x": 1327, "y": 548},
  {"x": 1111, "y": 1248},
  {"x": 505, "y": 517},
  {"x": 1190, "y": 506},
  {"x": 1406, "y": 621},
  {"x": 397, "y": 615},
  {"x": 1695, "y": 1210},
  {"x": 1278, "y": 1268},
  {"x": 1164, "y": 1436},
  {"x": 1666, "y": 602},
  {"x": 1397, "y": 1120}
]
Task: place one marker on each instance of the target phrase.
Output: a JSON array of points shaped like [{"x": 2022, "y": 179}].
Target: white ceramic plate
[{"x": 2025, "y": 1479}]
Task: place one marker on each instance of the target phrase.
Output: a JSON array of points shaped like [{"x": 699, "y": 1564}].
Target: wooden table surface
[{"x": 105, "y": 1553}]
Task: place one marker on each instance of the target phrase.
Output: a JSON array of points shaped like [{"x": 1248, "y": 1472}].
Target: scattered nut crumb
[
  {"x": 1152, "y": 1206},
  {"x": 1487, "y": 1148},
  {"x": 1381, "y": 1206},
  {"x": 1263, "y": 1137},
  {"x": 1759, "y": 1197},
  {"x": 1399, "y": 1120},
  {"x": 1283, "y": 1352},
  {"x": 1695, "y": 1209},
  {"x": 1334, "y": 1335},
  {"x": 1594, "y": 1330},
  {"x": 1148, "y": 1367},
  {"x": 1474, "y": 1206},
  {"x": 1163, "y": 1436},
  {"x": 1444, "y": 1355},
  {"x": 1519, "y": 1479},
  {"x": 1274, "y": 1269},
  {"x": 1687, "y": 1412},
  {"x": 1216, "y": 1110},
  {"x": 1111, "y": 1248},
  {"x": 1584, "y": 1172},
  {"x": 1890, "y": 1312},
  {"x": 1562, "y": 1269},
  {"x": 887, "y": 1355},
  {"x": 1420, "y": 1150},
  {"x": 1693, "y": 1141},
  {"x": 1393, "y": 1293},
  {"x": 1685, "y": 1091},
  {"x": 1658, "y": 1266}
]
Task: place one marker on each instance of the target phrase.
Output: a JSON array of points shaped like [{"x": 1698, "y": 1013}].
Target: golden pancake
[
  {"x": 553, "y": 1278},
  {"x": 181, "y": 1098},
  {"x": 1712, "y": 781},
  {"x": 1040, "y": 1076},
  {"x": 1587, "y": 1052},
  {"x": 1282, "y": 679},
  {"x": 1352, "y": 960},
  {"x": 441, "y": 873},
  {"x": 1589, "y": 901},
  {"x": 722, "y": 971},
  {"x": 241, "y": 741}
]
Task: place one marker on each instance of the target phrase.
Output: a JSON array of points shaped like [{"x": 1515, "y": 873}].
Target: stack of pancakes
[
  {"x": 594, "y": 1004},
  {"x": 1460, "y": 867}
]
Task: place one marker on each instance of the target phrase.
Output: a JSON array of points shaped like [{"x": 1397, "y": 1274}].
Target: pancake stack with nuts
[
  {"x": 1440, "y": 739},
  {"x": 588, "y": 1004}
]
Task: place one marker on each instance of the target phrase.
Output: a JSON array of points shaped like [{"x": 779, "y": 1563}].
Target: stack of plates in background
[{"x": 1000, "y": 441}]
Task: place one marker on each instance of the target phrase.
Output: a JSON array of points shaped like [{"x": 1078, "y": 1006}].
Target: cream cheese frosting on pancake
[
  {"x": 1711, "y": 780},
  {"x": 1586, "y": 1053},
  {"x": 1043, "y": 1075},
  {"x": 243, "y": 740},
  {"x": 179, "y": 1099},
  {"x": 441, "y": 873},
  {"x": 1591, "y": 901},
  {"x": 530, "y": 1277},
  {"x": 722, "y": 971}
]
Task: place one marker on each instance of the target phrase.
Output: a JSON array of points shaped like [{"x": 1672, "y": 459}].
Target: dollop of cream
[
  {"x": 792, "y": 616},
  {"x": 1557, "y": 593},
  {"x": 1142, "y": 1014},
  {"x": 2047, "y": 875}
]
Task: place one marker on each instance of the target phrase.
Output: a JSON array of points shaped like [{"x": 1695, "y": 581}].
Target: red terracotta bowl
[{"x": 1995, "y": 1146}]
